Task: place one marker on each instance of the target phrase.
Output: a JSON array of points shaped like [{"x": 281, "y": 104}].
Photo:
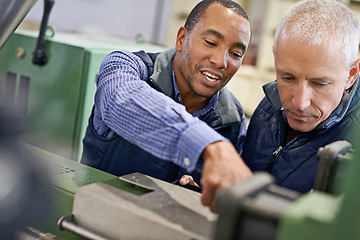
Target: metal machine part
[
  {"x": 333, "y": 160},
  {"x": 328, "y": 215},
  {"x": 147, "y": 208},
  {"x": 30, "y": 233},
  {"x": 150, "y": 200},
  {"x": 12, "y": 12},
  {"x": 39, "y": 54},
  {"x": 68, "y": 223},
  {"x": 258, "y": 209},
  {"x": 252, "y": 209},
  {"x": 68, "y": 175}
]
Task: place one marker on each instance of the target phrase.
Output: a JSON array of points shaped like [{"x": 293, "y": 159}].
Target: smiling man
[
  {"x": 315, "y": 98},
  {"x": 168, "y": 114}
]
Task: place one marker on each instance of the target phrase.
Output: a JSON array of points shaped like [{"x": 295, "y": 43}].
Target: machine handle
[{"x": 39, "y": 54}]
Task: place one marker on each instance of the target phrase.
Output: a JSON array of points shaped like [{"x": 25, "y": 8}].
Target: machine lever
[
  {"x": 68, "y": 223},
  {"x": 39, "y": 54}
]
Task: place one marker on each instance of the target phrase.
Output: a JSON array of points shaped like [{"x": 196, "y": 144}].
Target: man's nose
[
  {"x": 302, "y": 96},
  {"x": 220, "y": 59}
]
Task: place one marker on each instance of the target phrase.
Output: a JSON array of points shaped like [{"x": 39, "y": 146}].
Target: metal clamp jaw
[
  {"x": 252, "y": 208},
  {"x": 333, "y": 159}
]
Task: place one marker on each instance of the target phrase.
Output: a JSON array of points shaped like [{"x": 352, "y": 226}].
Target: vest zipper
[{"x": 273, "y": 159}]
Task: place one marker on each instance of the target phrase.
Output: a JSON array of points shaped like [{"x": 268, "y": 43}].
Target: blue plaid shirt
[{"x": 126, "y": 105}]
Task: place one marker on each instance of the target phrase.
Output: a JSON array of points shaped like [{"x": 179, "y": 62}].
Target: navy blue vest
[
  {"x": 295, "y": 165},
  {"x": 117, "y": 156}
]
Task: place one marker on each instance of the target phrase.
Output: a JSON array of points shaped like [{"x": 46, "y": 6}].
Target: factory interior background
[{"x": 157, "y": 21}]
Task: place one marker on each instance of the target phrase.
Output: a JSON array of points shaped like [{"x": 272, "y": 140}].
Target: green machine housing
[{"x": 56, "y": 99}]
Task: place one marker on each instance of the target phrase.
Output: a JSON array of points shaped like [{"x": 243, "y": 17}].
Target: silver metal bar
[
  {"x": 67, "y": 223},
  {"x": 30, "y": 233}
]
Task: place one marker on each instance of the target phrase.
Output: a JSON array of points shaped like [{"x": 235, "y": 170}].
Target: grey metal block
[{"x": 159, "y": 210}]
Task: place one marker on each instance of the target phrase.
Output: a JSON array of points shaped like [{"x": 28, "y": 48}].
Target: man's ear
[
  {"x": 353, "y": 74},
  {"x": 180, "y": 38}
]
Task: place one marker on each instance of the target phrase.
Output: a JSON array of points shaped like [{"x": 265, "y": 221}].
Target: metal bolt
[{"x": 20, "y": 52}]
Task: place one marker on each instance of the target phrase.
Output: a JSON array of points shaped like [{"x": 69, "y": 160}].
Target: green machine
[
  {"x": 56, "y": 98},
  {"x": 259, "y": 209},
  {"x": 85, "y": 203},
  {"x": 90, "y": 204}
]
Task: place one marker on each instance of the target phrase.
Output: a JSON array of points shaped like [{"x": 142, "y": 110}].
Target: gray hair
[{"x": 317, "y": 21}]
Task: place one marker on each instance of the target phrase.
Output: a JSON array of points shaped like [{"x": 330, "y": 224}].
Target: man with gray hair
[{"x": 315, "y": 98}]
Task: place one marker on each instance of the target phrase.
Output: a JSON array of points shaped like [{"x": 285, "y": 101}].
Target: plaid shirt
[{"x": 126, "y": 105}]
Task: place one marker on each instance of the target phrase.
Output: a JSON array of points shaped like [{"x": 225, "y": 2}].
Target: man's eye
[
  {"x": 320, "y": 84},
  {"x": 237, "y": 55},
  {"x": 286, "y": 78},
  {"x": 210, "y": 43}
]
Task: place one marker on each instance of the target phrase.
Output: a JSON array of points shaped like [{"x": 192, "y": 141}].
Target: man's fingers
[
  {"x": 213, "y": 206},
  {"x": 208, "y": 193},
  {"x": 222, "y": 167},
  {"x": 207, "y": 196},
  {"x": 207, "y": 199},
  {"x": 184, "y": 180}
]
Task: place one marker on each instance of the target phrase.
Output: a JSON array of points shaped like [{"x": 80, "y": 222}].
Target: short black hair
[{"x": 202, "y": 6}]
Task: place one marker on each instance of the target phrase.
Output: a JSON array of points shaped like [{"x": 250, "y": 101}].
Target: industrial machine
[
  {"x": 50, "y": 77},
  {"x": 86, "y": 203},
  {"x": 45, "y": 193},
  {"x": 259, "y": 209},
  {"x": 56, "y": 98}
]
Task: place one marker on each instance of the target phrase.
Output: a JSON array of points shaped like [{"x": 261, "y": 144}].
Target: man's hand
[{"x": 222, "y": 167}]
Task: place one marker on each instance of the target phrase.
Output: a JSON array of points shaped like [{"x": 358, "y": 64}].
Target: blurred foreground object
[
  {"x": 24, "y": 182},
  {"x": 12, "y": 12},
  {"x": 24, "y": 188}
]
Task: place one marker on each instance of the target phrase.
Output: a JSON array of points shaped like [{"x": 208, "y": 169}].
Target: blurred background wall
[{"x": 157, "y": 22}]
